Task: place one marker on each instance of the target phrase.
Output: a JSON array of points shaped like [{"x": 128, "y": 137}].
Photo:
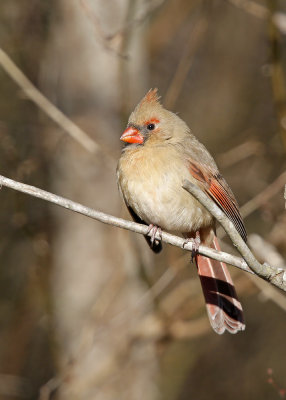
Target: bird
[{"x": 160, "y": 152}]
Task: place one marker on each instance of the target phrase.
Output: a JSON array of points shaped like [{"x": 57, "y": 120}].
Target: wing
[
  {"x": 217, "y": 188},
  {"x": 157, "y": 245}
]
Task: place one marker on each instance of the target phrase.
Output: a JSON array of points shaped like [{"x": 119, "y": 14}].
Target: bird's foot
[
  {"x": 153, "y": 229},
  {"x": 196, "y": 241}
]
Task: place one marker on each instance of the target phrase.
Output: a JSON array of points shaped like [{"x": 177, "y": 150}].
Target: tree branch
[
  {"x": 49, "y": 108},
  {"x": 121, "y": 223},
  {"x": 276, "y": 276},
  {"x": 113, "y": 42}
]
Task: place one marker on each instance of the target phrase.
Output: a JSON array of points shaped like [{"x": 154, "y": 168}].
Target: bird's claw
[
  {"x": 195, "y": 245},
  {"x": 152, "y": 231}
]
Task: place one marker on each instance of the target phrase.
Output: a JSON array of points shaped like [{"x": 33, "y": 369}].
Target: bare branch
[
  {"x": 239, "y": 153},
  {"x": 47, "y": 107},
  {"x": 113, "y": 42},
  {"x": 267, "y": 252},
  {"x": 274, "y": 275},
  {"x": 261, "y": 198},
  {"x": 119, "y": 222},
  {"x": 264, "y": 196}
]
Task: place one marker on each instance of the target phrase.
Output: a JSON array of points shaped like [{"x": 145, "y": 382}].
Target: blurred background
[{"x": 86, "y": 311}]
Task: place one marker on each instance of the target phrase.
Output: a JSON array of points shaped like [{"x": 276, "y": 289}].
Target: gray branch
[
  {"x": 274, "y": 275},
  {"x": 121, "y": 223}
]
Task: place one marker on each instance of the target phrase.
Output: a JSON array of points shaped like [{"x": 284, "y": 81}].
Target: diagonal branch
[
  {"x": 119, "y": 222},
  {"x": 274, "y": 275},
  {"x": 49, "y": 108}
]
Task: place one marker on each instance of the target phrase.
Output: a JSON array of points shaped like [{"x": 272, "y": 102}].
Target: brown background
[{"x": 78, "y": 305}]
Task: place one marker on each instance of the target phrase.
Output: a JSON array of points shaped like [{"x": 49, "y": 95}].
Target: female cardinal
[{"x": 162, "y": 152}]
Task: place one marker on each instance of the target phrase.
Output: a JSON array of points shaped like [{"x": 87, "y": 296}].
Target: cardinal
[{"x": 160, "y": 153}]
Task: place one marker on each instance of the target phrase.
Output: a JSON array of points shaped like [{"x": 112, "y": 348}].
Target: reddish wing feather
[
  {"x": 217, "y": 188},
  {"x": 198, "y": 173}
]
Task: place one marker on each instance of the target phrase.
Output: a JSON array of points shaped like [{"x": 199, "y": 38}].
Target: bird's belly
[
  {"x": 163, "y": 202},
  {"x": 171, "y": 215}
]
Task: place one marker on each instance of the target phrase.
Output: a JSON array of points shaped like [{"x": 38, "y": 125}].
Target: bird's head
[{"x": 151, "y": 124}]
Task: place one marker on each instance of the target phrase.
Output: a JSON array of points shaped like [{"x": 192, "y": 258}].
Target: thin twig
[
  {"x": 274, "y": 275},
  {"x": 121, "y": 223},
  {"x": 239, "y": 153},
  {"x": 45, "y": 105},
  {"x": 267, "y": 253},
  {"x": 262, "y": 197}
]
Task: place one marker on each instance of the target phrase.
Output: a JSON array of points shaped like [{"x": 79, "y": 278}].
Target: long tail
[{"x": 224, "y": 309}]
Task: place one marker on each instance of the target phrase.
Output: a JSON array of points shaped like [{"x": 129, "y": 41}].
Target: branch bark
[
  {"x": 276, "y": 276},
  {"x": 119, "y": 222}
]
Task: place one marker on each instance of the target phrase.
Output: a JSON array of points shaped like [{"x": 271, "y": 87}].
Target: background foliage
[{"x": 86, "y": 307}]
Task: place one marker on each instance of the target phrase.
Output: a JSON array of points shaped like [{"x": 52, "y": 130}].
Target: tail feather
[{"x": 224, "y": 309}]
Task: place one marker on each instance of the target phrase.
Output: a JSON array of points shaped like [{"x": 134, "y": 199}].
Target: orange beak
[{"x": 132, "y": 135}]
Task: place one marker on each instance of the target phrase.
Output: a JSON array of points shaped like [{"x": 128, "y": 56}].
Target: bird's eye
[{"x": 150, "y": 127}]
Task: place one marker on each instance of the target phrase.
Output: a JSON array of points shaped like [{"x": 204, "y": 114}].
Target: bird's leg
[
  {"x": 196, "y": 245},
  {"x": 196, "y": 241},
  {"x": 153, "y": 229}
]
